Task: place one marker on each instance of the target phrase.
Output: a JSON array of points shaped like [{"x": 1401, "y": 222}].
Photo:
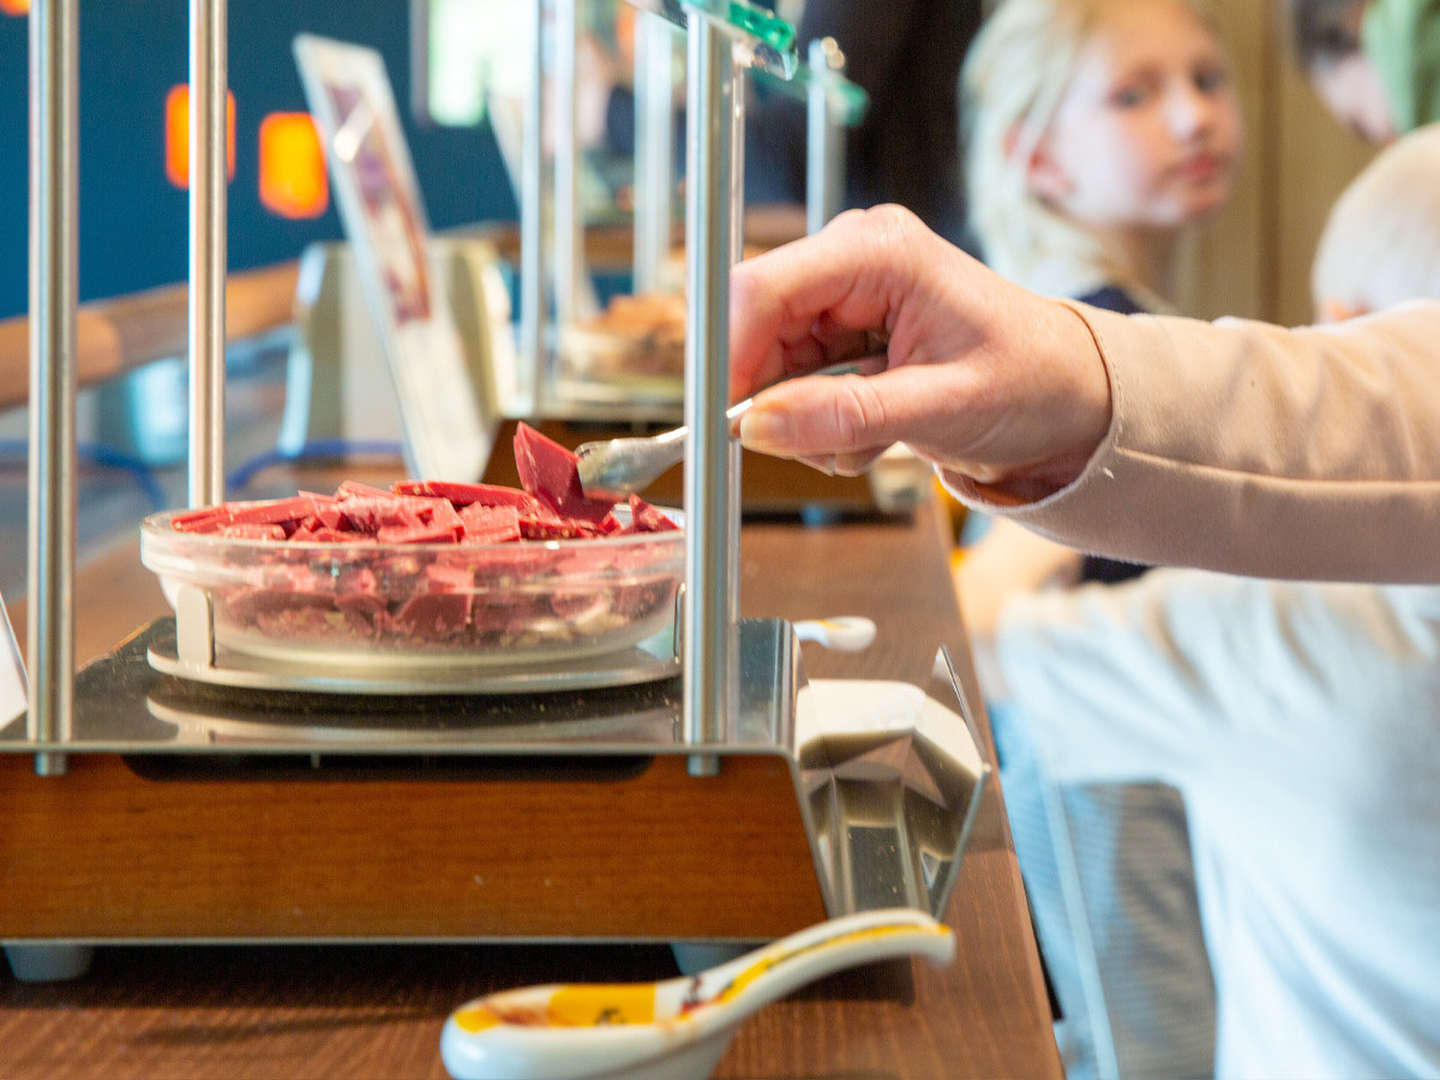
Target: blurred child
[
  {"x": 1375, "y": 63},
  {"x": 1099, "y": 132},
  {"x": 1300, "y": 720}
]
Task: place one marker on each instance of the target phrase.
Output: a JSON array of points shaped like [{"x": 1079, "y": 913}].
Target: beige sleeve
[{"x": 1243, "y": 447}]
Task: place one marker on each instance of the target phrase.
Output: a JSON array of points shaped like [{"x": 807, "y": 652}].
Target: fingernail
[{"x": 766, "y": 429}]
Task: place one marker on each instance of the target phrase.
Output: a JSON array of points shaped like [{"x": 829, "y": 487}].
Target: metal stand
[
  {"x": 877, "y": 782},
  {"x": 54, "y": 62},
  {"x": 208, "y": 256},
  {"x": 533, "y": 297},
  {"x": 709, "y": 637},
  {"x": 568, "y": 226},
  {"x": 654, "y": 149},
  {"x": 883, "y": 809},
  {"x": 825, "y": 138}
]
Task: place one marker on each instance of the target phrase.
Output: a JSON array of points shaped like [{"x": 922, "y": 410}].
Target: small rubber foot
[
  {"x": 49, "y": 963},
  {"x": 692, "y": 958}
]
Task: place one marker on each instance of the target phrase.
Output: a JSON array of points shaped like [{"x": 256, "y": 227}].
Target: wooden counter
[{"x": 375, "y": 1011}]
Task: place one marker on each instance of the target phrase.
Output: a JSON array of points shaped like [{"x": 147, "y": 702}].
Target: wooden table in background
[{"x": 375, "y": 1011}]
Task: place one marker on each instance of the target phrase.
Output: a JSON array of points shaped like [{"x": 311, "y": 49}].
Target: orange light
[
  {"x": 15, "y": 7},
  {"x": 292, "y": 166},
  {"x": 177, "y": 136}
]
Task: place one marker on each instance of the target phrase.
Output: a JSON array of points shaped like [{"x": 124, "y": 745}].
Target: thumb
[{"x": 849, "y": 414}]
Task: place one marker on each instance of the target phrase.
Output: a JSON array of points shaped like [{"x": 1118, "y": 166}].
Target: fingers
[
  {"x": 821, "y": 299},
  {"x": 844, "y": 464},
  {"x": 851, "y": 416}
]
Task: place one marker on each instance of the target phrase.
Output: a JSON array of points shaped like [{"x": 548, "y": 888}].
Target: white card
[{"x": 14, "y": 699}]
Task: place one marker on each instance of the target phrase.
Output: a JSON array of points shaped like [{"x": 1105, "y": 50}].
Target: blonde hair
[
  {"x": 1013, "y": 81},
  {"x": 1381, "y": 243}
]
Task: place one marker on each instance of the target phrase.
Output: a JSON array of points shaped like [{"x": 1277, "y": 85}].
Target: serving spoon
[
  {"x": 676, "y": 1029},
  {"x": 620, "y": 467}
]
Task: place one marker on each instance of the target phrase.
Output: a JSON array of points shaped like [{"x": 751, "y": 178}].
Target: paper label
[{"x": 14, "y": 698}]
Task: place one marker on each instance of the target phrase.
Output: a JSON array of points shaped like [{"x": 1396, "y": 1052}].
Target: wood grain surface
[{"x": 368, "y": 1011}]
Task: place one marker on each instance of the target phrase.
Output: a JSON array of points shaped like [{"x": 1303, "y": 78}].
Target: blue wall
[{"x": 132, "y": 221}]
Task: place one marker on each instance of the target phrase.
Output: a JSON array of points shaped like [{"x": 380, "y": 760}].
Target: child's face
[{"x": 1148, "y": 132}]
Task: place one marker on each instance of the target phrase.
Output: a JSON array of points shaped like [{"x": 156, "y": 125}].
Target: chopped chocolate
[
  {"x": 552, "y": 474},
  {"x": 488, "y": 573}
]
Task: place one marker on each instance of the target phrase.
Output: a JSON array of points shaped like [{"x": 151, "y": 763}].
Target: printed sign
[
  {"x": 448, "y": 436},
  {"x": 14, "y": 698}
]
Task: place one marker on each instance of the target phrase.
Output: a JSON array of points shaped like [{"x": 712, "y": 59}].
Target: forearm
[{"x": 1254, "y": 450}]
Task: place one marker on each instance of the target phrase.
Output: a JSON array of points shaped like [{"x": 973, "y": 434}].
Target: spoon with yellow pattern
[{"x": 671, "y": 1030}]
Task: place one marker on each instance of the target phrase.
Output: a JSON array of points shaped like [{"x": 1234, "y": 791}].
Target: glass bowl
[{"x": 514, "y": 603}]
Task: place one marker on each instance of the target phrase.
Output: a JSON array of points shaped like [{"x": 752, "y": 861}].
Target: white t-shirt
[{"x": 1302, "y": 723}]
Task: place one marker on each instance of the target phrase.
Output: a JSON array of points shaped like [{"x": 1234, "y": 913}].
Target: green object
[
  {"x": 850, "y": 98},
  {"x": 764, "y": 25},
  {"x": 768, "y": 40},
  {"x": 1402, "y": 40}
]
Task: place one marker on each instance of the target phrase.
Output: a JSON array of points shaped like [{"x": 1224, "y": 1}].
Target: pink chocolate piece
[
  {"x": 350, "y": 489},
  {"x": 462, "y": 495},
  {"x": 556, "y": 528},
  {"x": 274, "y": 511},
  {"x": 511, "y": 612},
  {"x": 204, "y": 520},
  {"x": 371, "y": 513},
  {"x": 340, "y": 536},
  {"x": 422, "y": 521},
  {"x": 440, "y": 612},
  {"x": 500, "y": 567},
  {"x": 490, "y": 524},
  {"x": 417, "y": 533},
  {"x": 253, "y": 531},
  {"x": 329, "y": 514},
  {"x": 550, "y": 473},
  {"x": 359, "y": 598},
  {"x": 645, "y": 518},
  {"x": 443, "y": 514},
  {"x": 580, "y": 605},
  {"x": 641, "y": 599}
]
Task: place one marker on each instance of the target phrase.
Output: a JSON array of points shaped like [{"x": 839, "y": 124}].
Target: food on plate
[
  {"x": 431, "y": 563},
  {"x": 634, "y": 335}
]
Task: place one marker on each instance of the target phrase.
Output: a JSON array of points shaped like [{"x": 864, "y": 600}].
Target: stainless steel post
[
  {"x": 54, "y": 63},
  {"x": 532, "y": 215},
  {"x": 654, "y": 148},
  {"x": 738, "y": 87},
  {"x": 209, "y": 137},
  {"x": 825, "y": 135},
  {"x": 710, "y": 633},
  {"x": 739, "y": 83},
  {"x": 567, "y": 165}
]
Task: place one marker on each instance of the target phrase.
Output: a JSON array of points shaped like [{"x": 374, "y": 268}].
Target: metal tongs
[{"x": 622, "y": 466}]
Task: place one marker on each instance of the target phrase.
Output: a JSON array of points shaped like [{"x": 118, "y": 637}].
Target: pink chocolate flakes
[
  {"x": 441, "y": 564},
  {"x": 551, "y": 473}
]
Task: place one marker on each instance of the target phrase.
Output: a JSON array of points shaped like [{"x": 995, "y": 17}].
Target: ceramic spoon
[{"x": 671, "y": 1030}]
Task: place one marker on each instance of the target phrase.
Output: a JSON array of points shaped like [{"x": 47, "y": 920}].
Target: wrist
[{"x": 1075, "y": 417}]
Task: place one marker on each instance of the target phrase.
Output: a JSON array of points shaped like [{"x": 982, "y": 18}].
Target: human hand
[{"x": 997, "y": 386}]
